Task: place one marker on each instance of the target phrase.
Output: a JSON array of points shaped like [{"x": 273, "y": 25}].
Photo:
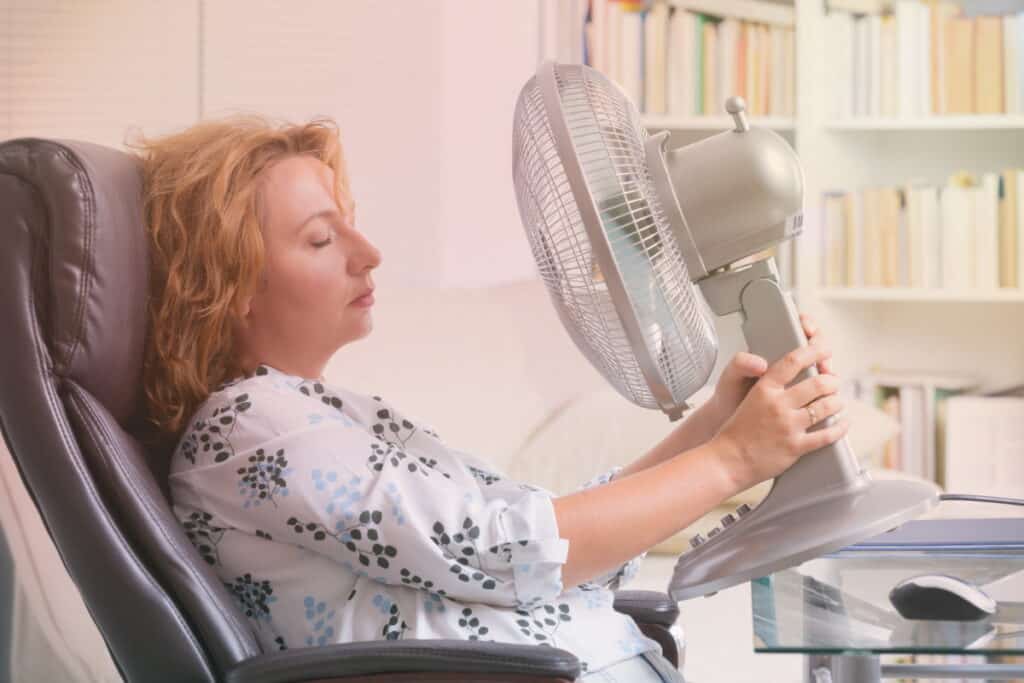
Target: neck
[{"x": 307, "y": 369}]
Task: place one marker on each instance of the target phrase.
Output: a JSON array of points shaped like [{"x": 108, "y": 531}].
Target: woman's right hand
[{"x": 767, "y": 433}]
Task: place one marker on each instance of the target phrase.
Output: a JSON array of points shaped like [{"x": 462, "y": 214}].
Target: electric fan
[{"x": 624, "y": 232}]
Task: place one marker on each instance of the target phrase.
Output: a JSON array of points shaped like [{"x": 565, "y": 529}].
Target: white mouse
[{"x": 941, "y": 597}]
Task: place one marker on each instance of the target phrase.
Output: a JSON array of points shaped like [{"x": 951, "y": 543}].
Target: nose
[{"x": 363, "y": 254}]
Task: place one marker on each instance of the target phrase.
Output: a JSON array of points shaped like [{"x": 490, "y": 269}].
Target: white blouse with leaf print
[{"x": 332, "y": 517}]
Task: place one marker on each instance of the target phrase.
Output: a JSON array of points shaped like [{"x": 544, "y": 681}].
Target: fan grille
[{"x": 608, "y": 140}]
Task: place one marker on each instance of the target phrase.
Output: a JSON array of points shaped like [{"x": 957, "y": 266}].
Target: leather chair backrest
[{"x": 73, "y": 286}]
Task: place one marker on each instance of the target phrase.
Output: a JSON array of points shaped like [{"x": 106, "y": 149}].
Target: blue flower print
[
  {"x": 382, "y": 602},
  {"x": 317, "y": 418},
  {"x": 433, "y": 603},
  {"x": 342, "y": 495},
  {"x": 595, "y": 596},
  {"x": 263, "y": 478},
  {"x": 322, "y": 631},
  {"x": 391, "y": 491},
  {"x": 635, "y": 643}
]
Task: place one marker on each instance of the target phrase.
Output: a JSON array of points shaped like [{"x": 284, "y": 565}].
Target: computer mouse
[{"x": 941, "y": 597}]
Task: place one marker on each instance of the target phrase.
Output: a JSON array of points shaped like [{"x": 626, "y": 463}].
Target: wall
[{"x": 423, "y": 92}]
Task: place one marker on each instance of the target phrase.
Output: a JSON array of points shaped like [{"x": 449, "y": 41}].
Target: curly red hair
[{"x": 203, "y": 212}]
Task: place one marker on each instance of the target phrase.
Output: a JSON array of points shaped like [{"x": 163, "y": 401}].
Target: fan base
[{"x": 758, "y": 544}]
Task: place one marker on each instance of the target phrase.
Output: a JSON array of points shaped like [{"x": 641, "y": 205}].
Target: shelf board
[
  {"x": 723, "y": 122},
  {"x": 759, "y": 11},
  {"x": 910, "y": 294},
  {"x": 965, "y": 122}
]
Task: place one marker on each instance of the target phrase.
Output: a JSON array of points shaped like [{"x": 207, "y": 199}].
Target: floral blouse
[{"x": 334, "y": 517}]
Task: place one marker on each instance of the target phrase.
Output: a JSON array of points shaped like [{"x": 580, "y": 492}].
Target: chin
[{"x": 360, "y": 331}]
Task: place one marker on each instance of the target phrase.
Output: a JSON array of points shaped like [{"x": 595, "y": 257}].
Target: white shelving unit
[
  {"x": 936, "y": 123},
  {"x": 883, "y": 294},
  {"x": 713, "y": 123},
  {"x": 890, "y": 328}
]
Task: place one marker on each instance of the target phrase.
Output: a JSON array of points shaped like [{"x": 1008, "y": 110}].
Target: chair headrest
[{"x": 82, "y": 202}]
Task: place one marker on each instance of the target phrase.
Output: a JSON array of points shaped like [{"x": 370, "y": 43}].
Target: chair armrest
[
  {"x": 647, "y": 607},
  {"x": 449, "y": 660},
  {"x": 655, "y": 614}
]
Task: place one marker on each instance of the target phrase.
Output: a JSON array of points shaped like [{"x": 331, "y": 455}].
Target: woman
[{"x": 335, "y": 516}]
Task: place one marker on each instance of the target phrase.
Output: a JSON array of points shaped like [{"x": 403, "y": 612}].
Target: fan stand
[{"x": 823, "y": 502}]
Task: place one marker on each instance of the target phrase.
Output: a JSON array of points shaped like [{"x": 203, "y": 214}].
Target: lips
[{"x": 365, "y": 298}]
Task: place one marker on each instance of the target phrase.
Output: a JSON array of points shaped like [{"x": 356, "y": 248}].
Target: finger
[
  {"x": 824, "y": 408},
  {"x": 810, "y": 389},
  {"x": 784, "y": 370},
  {"x": 812, "y": 441},
  {"x": 810, "y": 328},
  {"x": 749, "y": 364}
]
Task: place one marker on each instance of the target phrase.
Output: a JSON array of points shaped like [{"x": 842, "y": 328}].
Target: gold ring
[{"x": 814, "y": 418}]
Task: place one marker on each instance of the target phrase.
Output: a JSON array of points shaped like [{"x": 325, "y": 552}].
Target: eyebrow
[
  {"x": 325, "y": 213},
  {"x": 318, "y": 214}
]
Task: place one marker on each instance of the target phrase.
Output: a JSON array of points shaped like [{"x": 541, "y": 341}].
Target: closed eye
[{"x": 319, "y": 245}]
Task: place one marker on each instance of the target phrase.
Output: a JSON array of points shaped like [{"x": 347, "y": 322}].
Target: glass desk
[{"x": 836, "y": 611}]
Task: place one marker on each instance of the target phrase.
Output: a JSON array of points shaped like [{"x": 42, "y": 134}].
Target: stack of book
[
  {"x": 676, "y": 61},
  {"x": 966, "y": 436},
  {"x": 917, "y": 400},
  {"x": 921, "y": 58},
  {"x": 968, "y": 234}
]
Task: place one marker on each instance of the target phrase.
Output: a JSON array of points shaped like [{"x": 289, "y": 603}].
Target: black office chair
[{"x": 73, "y": 285}]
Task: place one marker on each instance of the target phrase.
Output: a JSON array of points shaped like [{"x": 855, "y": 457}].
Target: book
[
  {"x": 655, "y": 46},
  {"x": 709, "y": 81},
  {"x": 889, "y": 217},
  {"x": 1009, "y": 231},
  {"x": 959, "y": 65},
  {"x": 681, "y": 63},
  {"x": 931, "y": 245},
  {"x": 1011, "y": 72},
  {"x": 942, "y": 12},
  {"x": 986, "y": 231},
  {"x": 873, "y": 235},
  {"x": 988, "y": 64},
  {"x": 631, "y": 58},
  {"x": 957, "y": 213}
]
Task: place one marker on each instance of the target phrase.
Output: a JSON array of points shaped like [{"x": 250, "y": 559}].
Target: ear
[{"x": 244, "y": 306}]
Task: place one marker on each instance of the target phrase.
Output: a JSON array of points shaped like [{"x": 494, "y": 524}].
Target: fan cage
[{"x": 608, "y": 139}]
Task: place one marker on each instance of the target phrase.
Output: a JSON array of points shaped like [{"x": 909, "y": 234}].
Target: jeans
[{"x": 647, "y": 667}]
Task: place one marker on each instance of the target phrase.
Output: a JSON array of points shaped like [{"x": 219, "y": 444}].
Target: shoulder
[{"x": 241, "y": 414}]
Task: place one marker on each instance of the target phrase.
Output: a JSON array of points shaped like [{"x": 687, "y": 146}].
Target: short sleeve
[
  {"x": 398, "y": 514},
  {"x": 618, "y": 577}
]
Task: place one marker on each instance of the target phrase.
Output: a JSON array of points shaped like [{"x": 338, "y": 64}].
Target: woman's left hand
[{"x": 745, "y": 369}]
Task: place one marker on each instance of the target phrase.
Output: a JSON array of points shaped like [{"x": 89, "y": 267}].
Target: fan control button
[
  {"x": 696, "y": 541},
  {"x": 743, "y": 509},
  {"x": 728, "y": 519}
]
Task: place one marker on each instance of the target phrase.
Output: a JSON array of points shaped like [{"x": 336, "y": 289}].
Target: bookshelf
[
  {"x": 898, "y": 294},
  {"x": 977, "y": 122},
  {"x": 972, "y": 332},
  {"x": 964, "y": 334},
  {"x": 713, "y": 123},
  {"x": 967, "y": 333}
]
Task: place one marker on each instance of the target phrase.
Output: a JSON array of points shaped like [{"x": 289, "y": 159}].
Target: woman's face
[{"x": 317, "y": 265}]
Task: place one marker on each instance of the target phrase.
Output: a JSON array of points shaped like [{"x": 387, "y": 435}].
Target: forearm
[
  {"x": 697, "y": 428},
  {"x": 610, "y": 524}
]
